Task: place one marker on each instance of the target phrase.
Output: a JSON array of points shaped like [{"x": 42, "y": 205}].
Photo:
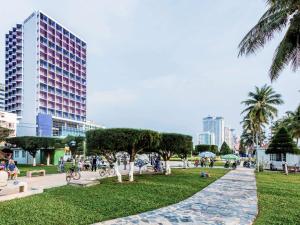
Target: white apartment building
[{"x": 9, "y": 120}]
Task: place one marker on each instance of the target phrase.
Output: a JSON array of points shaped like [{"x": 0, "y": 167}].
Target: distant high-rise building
[
  {"x": 209, "y": 124},
  {"x": 45, "y": 77},
  {"x": 2, "y": 97},
  {"x": 206, "y": 138},
  {"x": 215, "y": 126},
  {"x": 229, "y": 137},
  {"x": 219, "y": 131}
]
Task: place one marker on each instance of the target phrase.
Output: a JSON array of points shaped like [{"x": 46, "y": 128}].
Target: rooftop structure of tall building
[{"x": 45, "y": 77}]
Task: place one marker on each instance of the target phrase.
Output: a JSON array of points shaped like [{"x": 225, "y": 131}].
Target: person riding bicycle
[
  {"x": 234, "y": 164},
  {"x": 227, "y": 164}
]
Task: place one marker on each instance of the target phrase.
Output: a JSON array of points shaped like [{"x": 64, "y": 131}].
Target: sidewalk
[{"x": 231, "y": 200}]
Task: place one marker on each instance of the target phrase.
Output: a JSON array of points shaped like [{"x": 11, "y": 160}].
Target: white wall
[
  {"x": 27, "y": 124},
  {"x": 264, "y": 159}
]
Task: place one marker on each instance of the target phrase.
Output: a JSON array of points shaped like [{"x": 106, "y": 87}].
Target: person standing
[
  {"x": 94, "y": 164},
  {"x": 125, "y": 161},
  {"x": 61, "y": 165}
]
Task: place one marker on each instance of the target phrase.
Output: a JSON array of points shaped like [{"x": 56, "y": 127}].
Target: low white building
[
  {"x": 91, "y": 125},
  {"x": 9, "y": 120},
  {"x": 277, "y": 159}
]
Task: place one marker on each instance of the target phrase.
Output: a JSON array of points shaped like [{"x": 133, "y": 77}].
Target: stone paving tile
[{"x": 231, "y": 200}]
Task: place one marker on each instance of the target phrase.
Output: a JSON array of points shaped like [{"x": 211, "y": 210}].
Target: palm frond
[
  {"x": 274, "y": 20},
  {"x": 288, "y": 50}
]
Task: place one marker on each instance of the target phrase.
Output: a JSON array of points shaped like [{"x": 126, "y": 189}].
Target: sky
[{"x": 163, "y": 65}]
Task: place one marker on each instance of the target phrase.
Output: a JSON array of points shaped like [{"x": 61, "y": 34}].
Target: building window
[
  {"x": 16, "y": 154},
  {"x": 278, "y": 157},
  {"x": 23, "y": 154}
]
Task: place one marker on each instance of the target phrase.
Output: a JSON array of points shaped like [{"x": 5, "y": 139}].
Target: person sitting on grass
[
  {"x": 12, "y": 169},
  {"x": 204, "y": 174}
]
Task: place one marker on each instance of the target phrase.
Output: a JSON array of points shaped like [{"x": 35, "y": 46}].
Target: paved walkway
[{"x": 230, "y": 200}]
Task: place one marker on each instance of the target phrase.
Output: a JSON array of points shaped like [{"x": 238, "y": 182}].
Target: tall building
[
  {"x": 45, "y": 77},
  {"x": 206, "y": 138},
  {"x": 209, "y": 124},
  {"x": 2, "y": 97},
  {"x": 219, "y": 131},
  {"x": 214, "y": 126},
  {"x": 229, "y": 137}
]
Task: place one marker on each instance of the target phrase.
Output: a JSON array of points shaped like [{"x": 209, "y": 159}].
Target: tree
[
  {"x": 33, "y": 144},
  {"x": 225, "y": 149},
  {"x": 106, "y": 142},
  {"x": 185, "y": 148},
  {"x": 282, "y": 143},
  {"x": 242, "y": 149},
  {"x": 279, "y": 15},
  {"x": 214, "y": 149},
  {"x": 132, "y": 141},
  {"x": 260, "y": 109},
  {"x": 138, "y": 140},
  {"x": 171, "y": 144},
  {"x": 202, "y": 148},
  {"x": 292, "y": 122},
  {"x": 75, "y": 144},
  {"x": 4, "y": 133}
]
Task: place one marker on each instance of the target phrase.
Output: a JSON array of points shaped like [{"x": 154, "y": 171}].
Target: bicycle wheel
[
  {"x": 76, "y": 175},
  {"x": 68, "y": 178},
  {"x": 112, "y": 172},
  {"x": 102, "y": 173}
]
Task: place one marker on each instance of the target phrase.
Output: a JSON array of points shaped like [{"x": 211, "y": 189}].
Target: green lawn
[
  {"x": 279, "y": 199},
  {"x": 75, "y": 205},
  {"x": 49, "y": 169},
  {"x": 24, "y": 168}
]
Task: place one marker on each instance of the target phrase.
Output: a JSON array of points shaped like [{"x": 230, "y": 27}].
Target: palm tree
[
  {"x": 280, "y": 14},
  {"x": 292, "y": 122},
  {"x": 295, "y": 125},
  {"x": 260, "y": 109}
]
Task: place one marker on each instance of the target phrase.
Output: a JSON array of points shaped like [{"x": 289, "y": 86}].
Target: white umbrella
[{"x": 207, "y": 155}]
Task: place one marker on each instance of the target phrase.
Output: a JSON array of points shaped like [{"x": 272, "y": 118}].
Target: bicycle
[
  {"x": 72, "y": 174},
  {"x": 106, "y": 170}
]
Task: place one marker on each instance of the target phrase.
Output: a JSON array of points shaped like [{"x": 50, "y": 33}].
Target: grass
[
  {"x": 24, "y": 168},
  {"x": 75, "y": 205},
  {"x": 278, "y": 199},
  {"x": 49, "y": 169}
]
